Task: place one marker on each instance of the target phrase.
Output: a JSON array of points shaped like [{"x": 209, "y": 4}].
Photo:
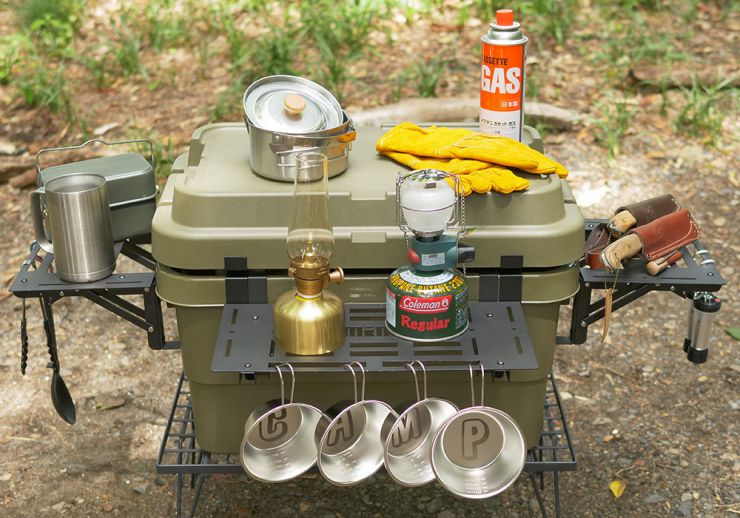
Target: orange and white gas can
[{"x": 502, "y": 77}]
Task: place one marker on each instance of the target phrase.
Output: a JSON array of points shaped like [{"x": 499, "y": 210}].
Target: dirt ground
[{"x": 638, "y": 411}]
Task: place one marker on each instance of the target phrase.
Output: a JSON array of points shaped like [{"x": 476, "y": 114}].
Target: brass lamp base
[{"x": 309, "y": 326}]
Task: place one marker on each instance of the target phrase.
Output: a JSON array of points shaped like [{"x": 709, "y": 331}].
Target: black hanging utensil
[
  {"x": 60, "y": 396},
  {"x": 24, "y": 340}
]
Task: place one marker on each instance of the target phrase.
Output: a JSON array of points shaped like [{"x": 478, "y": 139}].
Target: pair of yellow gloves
[{"x": 480, "y": 161}]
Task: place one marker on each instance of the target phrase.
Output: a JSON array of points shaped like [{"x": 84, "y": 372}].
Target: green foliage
[
  {"x": 126, "y": 47},
  {"x": 340, "y": 32},
  {"x": 10, "y": 52},
  {"x": 43, "y": 86},
  {"x": 66, "y": 12},
  {"x": 552, "y": 18},
  {"x": 702, "y": 112},
  {"x": 274, "y": 53},
  {"x": 428, "y": 73},
  {"x": 612, "y": 123},
  {"x": 168, "y": 26}
]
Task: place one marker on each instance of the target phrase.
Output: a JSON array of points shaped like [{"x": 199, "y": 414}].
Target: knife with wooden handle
[
  {"x": 656, "y": 241},
  {"x": 641, "y": 213}
]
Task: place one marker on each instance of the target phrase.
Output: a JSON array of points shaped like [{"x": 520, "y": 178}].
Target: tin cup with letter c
[
  {"x": 409, "y": 441},
  {"x": 278, "y": 442},
  {"x": 351, "y": 445},
  {"x": 479, "y": 451}
]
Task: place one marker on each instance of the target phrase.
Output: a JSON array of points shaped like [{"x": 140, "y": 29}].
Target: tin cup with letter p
[
  {"x": 409, "y": 441},
  {"x": 278, "y": 442},
  {"x": 351, "y": 445},
  {"x": 479, "y": 451}
]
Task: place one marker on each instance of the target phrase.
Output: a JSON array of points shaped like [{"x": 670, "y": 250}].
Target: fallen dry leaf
[{"x": 617, "y": 488}]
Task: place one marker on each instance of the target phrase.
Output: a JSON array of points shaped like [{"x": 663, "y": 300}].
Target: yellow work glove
[{"x": 465, "y": 144}]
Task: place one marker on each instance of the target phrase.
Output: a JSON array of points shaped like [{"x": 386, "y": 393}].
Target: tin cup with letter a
[
  {"x": 409, "y": 441},
  {"x": 479, "y": 451},
  {"x": 351, "y": 445},
  {"x": 278, "y": 442}
]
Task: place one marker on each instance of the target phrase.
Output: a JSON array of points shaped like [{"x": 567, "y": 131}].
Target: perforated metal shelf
[{"x": 497, "y": 339}]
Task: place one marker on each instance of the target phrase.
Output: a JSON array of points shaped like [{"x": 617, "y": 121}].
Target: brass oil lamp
[{"x": 309, "y": 320}]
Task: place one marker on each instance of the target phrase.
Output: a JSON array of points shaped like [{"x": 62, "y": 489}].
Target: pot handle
[
  {"x": 37, "y": 214},
  {"x": 283, "y": 142},
  {"x": 147, "y": 142}
]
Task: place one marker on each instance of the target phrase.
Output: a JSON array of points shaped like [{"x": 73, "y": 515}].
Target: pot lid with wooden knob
[{"x": 290, "y": 104}]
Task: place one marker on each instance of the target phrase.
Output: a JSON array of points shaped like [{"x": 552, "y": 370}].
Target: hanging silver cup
[
  {"x": 479, "y": 451},
  {"x": 351, "y": 445},
  {"x": 409, "y": 441},
  {"x": 278, "y": 442}
]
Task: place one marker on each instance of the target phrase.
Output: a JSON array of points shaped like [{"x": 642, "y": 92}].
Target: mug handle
[{"x": 42, "y": 237}]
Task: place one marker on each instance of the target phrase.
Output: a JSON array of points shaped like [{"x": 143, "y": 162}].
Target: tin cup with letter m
[
  {"x": 278, "y": 442},
  {"x": 409, "y": 441},
  {"x": 351, "y": 445},
  {"x": 479, "y": 451}
]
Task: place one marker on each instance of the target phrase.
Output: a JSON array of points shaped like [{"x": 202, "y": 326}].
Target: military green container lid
[{"x": 214, "y": 206}]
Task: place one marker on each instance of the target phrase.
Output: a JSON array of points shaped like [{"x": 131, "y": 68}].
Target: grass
[
  {"x": 428, "y": 73},
  {"x": 704, "y": 109},
  {"x": 612, "y": 123}
]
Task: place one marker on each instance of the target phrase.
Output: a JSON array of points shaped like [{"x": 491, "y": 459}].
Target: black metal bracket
[
  {"x": 106, "y": 293},
  {"x": 242, "y": 285},
  {"x": 506, "y": 284},
  {"x": 695, "y": 271}
]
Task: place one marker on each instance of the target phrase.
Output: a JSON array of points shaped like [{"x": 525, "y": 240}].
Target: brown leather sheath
[
  {"x": 666, "y": 234},
  {"x": 649, "y": 210},
  {"x": 596, "y": 242}
]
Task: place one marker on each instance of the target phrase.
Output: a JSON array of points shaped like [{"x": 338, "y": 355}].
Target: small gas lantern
[{"x": 427, "y": 300}]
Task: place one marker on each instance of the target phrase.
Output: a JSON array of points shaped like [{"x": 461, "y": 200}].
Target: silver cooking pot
[{"x": 287, "y": 115}]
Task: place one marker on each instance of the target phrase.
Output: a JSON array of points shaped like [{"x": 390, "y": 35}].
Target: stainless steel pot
[{"x": 287, "y": 115}]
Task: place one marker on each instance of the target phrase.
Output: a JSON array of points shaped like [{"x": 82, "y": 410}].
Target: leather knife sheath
[
  {"x": 641, "y": 213},
  {"x": 595, "y": 244},
  {"x": 657, "y": 239}
]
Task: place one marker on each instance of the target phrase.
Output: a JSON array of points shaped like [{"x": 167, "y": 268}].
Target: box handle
[{"x": 95, "y": 140}]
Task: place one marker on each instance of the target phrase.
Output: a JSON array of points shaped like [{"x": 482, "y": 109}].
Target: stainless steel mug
[
  {"x": 351, "y": 445},
  {"x": 79, "y": 234},
  {"x": 278, "y": 442},
  {"x": 409, "y": 442},
  {"x": 479, "y": 451}
]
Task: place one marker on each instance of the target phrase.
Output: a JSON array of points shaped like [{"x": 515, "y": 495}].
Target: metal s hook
[
  {"x": 351, "y": 369},
  {"x": 482, "y": 384}
]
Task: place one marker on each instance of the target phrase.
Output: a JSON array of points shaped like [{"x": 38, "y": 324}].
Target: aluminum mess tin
[
  {"x": 276, "y": 137},
  {"x": 132, "y": 189},
  {"x": 214, "y": 206}
]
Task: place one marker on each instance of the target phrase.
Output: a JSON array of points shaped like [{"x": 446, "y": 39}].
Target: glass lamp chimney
[{"x": 310, "y": 235}]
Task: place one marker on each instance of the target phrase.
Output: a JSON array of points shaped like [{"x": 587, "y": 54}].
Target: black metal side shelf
[
  {"x": 180, "y": 455},
  {"x": 695, "y": 272},
  {"x": 497, "y": 339},
  {"x": 41, "y": 281}
]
